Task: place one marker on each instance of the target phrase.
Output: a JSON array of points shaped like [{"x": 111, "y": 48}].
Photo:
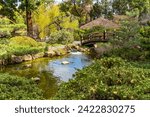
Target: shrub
[
  {"x": 22, "y": 45},
  {"x": 18, "y": 88},
  {"x": 108, "y": 78},
  {"x": 23, "y": 50},
  {"x": 129, "y": 31},
  {"x": 3, "y": 51},
  {"x": 128, "y": 53},
  {"x": 145, "y": 31},
  {"x": 145, "y": 43},
  {"x": 23, "y": 41},
  {"x": 7, "y": 28},
  {"x": 19, "y": 46},
  {"x": 61, "y": 37}
]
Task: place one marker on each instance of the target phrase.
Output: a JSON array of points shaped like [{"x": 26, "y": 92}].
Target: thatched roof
[{"x": 100, "y": 22}]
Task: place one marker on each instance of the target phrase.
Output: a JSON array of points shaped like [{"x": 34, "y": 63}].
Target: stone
[
  {"x": 36, "y": 79},
  {"x": 50, "y": 53},
  {"x": 1, "y": 62},
  {"x": 27, "y": 57},
  {"x": 28, "y": 65},
  {"x": 65, "y": 62},
  {"x": 38, "y": 55},
  {"x": 16, "y": 59},
  {"x": 58, "y": 53}
]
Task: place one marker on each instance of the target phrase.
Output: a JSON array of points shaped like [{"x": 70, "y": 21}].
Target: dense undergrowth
[
  {"x": 108, "y": 78},
  {"x": 18, "y": 88}
]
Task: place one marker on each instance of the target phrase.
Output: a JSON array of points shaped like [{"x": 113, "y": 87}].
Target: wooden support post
[{"x": 104, "y": 35}]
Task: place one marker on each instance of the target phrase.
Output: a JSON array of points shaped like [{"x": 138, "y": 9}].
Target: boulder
[
  {"x": 58, "y": 53},
  {"x": 27, "y": 57},
  {"x": 38, "y": 55},
  {"x": 50, "y": 53},
  {"x": 16, "y": 59}
]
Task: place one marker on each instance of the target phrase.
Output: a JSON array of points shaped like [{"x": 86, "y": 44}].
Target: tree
[
  {"x": 49, "y": 18},
  {"x": 79, "y": 8},
  {"x": 120, "y": 6},
  {"x": 29, "y": 19},
  {"x": 27, "y": 6}
]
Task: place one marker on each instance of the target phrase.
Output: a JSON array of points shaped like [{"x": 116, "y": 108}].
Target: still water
[{"x": 50, "y": 71}]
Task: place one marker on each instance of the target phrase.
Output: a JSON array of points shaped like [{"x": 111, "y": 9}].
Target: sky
[{"x": 58, "y": 1}]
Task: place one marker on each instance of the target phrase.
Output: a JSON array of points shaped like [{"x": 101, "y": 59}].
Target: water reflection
[
  {"x": 50, "y": 71},
  {"x": 65, "y": 72}
]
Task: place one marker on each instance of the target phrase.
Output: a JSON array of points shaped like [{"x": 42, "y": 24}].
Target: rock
[
  {"x": 1, "y": 62},
  {"x": 16, "y": 59},
  {"x": 36, "y": 79},
  {"x": 38, "y": 55},
  {"x": 95, "y": 46},
  {"x": 57, "y": 53},
  {"x": 27, "y": 57},
  {"x": 65, "y": 62},
  {"x": 28, "y": 65},
  {"x": 50, "y": 54}
]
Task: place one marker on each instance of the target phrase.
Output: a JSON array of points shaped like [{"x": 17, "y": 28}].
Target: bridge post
[{"x": 104, "y": 35}]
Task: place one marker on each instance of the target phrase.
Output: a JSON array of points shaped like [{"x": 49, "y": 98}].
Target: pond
[{"x": 51, "y": 71}]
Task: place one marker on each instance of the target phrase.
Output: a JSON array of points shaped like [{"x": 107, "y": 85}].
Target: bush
[
  {"x": 61, "y": 37},
  {"x": 145, "y": 31},
  {"x": 108, "y": 78},
  {"x": 129, "y": 53},
  {"x": 19, "y": 46},
  {"x": 129, "y": 31},
  {"x": 3, "y": 51},
  {"x": 145, "y": 43},
  {"x": 22, "y": 45},
  {"x": 23, "y": 50},
  {"x": 18, "y": 88},
  {"x": 23, "y": 41},
  {"x": 7, "y": 28}
]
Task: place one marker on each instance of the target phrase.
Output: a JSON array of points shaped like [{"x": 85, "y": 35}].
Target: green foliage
[
  {"x": 129, "y": 53},
  {"x": 5, "y": 27},
  {"x": 129, "y": 31},
  {"x": 61, "y": 37},
  {"x": 108, "y": 78},
  {"x": 3, "y": 51},
  {"x": 145, "y": 31},
  {"x": 145, "y": 43},
  {"x": 133, "y": 13},
  {"x": 18, "y": 88},
  {"x": 23, "y": 41},
  {"x": 20, "y": 45},
  {"x": 23, "y": 50},
  {"x": 50, "y": 19},
  {"x": 8, "y": 28},
  {"x": 92, "y": 31},
  {"x": 131, "y": 42}
]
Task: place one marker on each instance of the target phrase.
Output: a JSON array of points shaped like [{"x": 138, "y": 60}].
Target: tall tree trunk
[{"x": 29, "y": 20}]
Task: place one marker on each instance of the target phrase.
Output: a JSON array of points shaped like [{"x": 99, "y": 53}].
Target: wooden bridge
[{"x": 90, "y": 40}]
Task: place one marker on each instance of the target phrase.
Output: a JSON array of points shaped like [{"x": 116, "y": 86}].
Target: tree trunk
[{"x": 29, "y": 20}]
